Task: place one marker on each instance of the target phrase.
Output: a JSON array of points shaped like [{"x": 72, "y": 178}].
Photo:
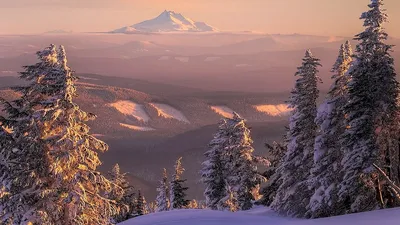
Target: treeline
[{"x": 341, "y": 157}]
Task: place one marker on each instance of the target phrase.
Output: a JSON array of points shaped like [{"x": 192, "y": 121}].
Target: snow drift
[{"x": 260, "y": 216}]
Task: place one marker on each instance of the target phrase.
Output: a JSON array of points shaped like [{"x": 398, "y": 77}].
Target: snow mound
[
  {"x": 222, "y": 110},
  {"x": 260, "y": 217},
  {"x": 132, "y": 109},
  {"x": 167, "y": 21},
  {"x": 169, "y": 112},
  {"x": 137, "y": 128},
  {"x": 273, "y": 110}
]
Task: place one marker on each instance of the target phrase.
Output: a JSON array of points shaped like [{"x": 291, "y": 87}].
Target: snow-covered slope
[
  {"x": 222, "y": 110},
  {"x": 131, "y": 109},
  {"x": 168, "y": 112},
  {"x": 273, "y": 110},
  {"x": 260, "y": 216},
  {"x": 168, "y": 21}
]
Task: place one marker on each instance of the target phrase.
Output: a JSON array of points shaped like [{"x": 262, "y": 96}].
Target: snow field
[{"x": 132, "y": 109}]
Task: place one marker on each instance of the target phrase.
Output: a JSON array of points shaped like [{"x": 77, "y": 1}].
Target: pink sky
[{"x": 321, "y": 17}]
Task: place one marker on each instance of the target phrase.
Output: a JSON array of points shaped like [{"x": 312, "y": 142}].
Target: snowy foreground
[{"x": 260, "y": 216}]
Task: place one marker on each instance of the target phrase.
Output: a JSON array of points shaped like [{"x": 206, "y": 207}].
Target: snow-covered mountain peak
[{"x": 168, "y": 21}]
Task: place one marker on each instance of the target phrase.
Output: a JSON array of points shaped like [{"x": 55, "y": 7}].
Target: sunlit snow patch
[
  {"x": 212, "y": 58},
  {"x": 222, "y": 110},
  {"x": 273, "y": 110},
  {"x": 182, "y": 59},
  {"x": 137, "y": 128},
  {"x": 131, "y": 109},
  {"x": 169, "y": 112}
]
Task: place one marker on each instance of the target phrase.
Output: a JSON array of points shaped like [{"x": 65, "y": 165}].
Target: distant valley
[{"x": 148, "y": 129}]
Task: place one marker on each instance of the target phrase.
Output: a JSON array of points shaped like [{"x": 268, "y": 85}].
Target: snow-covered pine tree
[
  {"x": 75, "y": 195},
  {"x": 162, "y": 200},
  {"x": 126, "y": 199},
  {"x": 193, "y": 204},
  {"x": 213, "y": 171},
  {"x": 371, "y": 108},
  {"x": 240, "y": 164},
  {"x": 230, "y": 201},
  {"x": 178, "y": 190},
  {"x": 325, "y": 174},
  {"x": 79, "y": 189},
  {"x": 141, "y": 205},
  {"x": 276, "y": 153},
  {"x": 152, "y": 207},
  {"x": 6, "y": 142},
  {"x": 24, "y": 171},
  {"x": 293, "y": 194},
  {"x": 202, "y": 204}
]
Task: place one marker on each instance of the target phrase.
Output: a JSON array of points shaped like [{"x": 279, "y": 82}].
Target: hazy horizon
[{"x": 316, "y": 17}]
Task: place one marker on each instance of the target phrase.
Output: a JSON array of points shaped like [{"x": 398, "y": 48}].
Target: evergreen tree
[
  {"x": 230, "y": 201},
  {"x": 276, "y": 152},
  {"x": 141, "y": 205},
  {"x": 193, "y": 204},
  {"x": 325, "y": 174},
  {"x": 162, "y": 200},
  {"x": 73, "y": 152},
  {"x": 370, "y": 110},
  {"x": 293, "y": 194},
  {"x": 126, "y": 199},
  {"x": 152, "y": 207},
  {"x": 178, "y": 190},
  {"x": 25, "y": 165},
  {"x": 202, "y": 204},
  {"x": 213, "y": 168},
  {"x": 240, "y": 163},
  {"x": 52, "y": 156}
]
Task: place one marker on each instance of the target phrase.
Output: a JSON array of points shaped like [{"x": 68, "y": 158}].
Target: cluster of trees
[
  {"x": 172, "y": 195},
  {"x": 342, "y": 157},
  {"x": 129, "y": 205},
  {"x": 230, "y": 172}
]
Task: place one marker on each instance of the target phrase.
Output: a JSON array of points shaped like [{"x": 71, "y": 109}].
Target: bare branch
[{"x": 390, "y": 182}]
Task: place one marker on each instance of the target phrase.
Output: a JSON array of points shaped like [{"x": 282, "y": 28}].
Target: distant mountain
[{"x": 168, "y": 21}]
